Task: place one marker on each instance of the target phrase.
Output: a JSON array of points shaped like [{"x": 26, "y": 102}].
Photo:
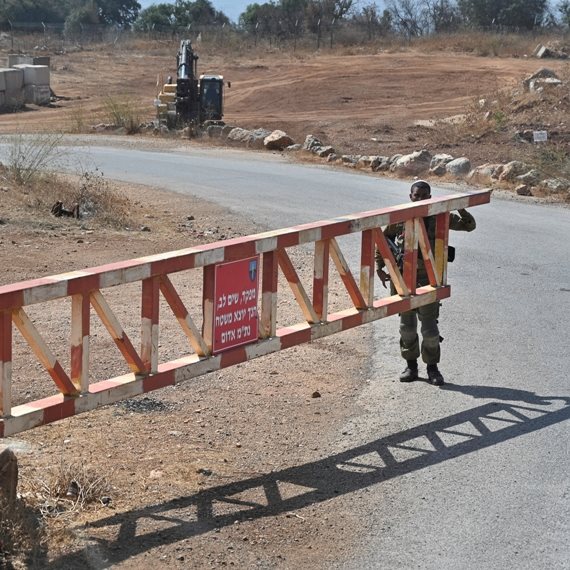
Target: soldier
[{"x": 428, "y": 314}]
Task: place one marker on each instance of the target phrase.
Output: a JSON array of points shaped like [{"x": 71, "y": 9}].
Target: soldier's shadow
[{"x": 498, "y": 393}]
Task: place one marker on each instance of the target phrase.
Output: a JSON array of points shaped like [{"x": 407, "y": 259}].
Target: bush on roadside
[
  {"x": 96, "y": 199},
  {"x": 29, "y": 156},
  {"x": 123, "y": 113}
]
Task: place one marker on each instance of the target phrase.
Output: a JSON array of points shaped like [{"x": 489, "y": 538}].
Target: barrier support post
[
  {"x": 5, "y": 363},
  {"x": 268, "y": 320}
]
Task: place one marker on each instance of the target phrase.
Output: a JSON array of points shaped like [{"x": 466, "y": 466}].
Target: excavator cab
[{"x": 211, "y": 97}]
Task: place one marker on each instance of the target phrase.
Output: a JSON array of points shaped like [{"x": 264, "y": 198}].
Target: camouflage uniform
[{"x": 427, "y": 314}]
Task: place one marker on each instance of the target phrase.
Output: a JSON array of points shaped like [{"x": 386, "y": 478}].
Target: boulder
[
  {"x": 332, "y": 157},
  {"x": 350, "y": 159},
  {"x": 380, "y": 163},
  {"x": 544, "y": 84},
  {"x": 239, "y": 135},
  {"x": 540, "y": 74},
  {"x": 294, "y": 147},
  {"x": 513, "y": 169},
  {"x": 394, "y": 158},
  {"x": 485, "y": 173},
  {"x": 251, "y": 139},
  {"x": 458, "y": 167},
  {"x": 555, "y": 185},
  {"x": 531, "y": 177},
  {"x": 364, "y": 161},
  {"x": 322, "y": 151},
  {"x": 541, "y": 51},
  {"x": 257, "y": 138},
  {"x": 438, "y": 163},
  {"x": 226, "y": 130},
  {"x": 523, "y": 190},
  {"x": 311, "y": 142},
  {"x": 8, "y": 477},
  {"x": 412, "y": 164},
  {"x": 214, "y": 131},
  {"x": 277, "y": 140}
]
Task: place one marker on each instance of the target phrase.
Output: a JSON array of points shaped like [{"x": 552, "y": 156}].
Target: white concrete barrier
[
  {"x": 37, "y": 94},
  {"x": 34, "y": 74},
  {"x": 13, "y": 78}
]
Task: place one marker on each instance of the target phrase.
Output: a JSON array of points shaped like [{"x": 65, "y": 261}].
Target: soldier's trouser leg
[
  {"x": 428, "y": 315},
  {"x": 409, "y": 342}
]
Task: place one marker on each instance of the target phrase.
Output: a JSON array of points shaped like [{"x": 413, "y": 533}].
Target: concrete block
[
  {"x": 14, "y": 98},
  {"x": 2, "y": 99},
  {"x": 37, "y": 94},
  {"x": 41, "y": 60},
  {"x": 34, "y": 74},
  {"x": 13, "y": 78},
  {"x": 16, "y": 59}
]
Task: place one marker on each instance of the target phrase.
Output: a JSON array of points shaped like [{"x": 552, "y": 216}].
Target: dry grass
[
  {"x": 67, "y": 489},
  {"x": 123, "y": 112},
  {"x": 484, "y": 44},
  {"x": 22, "y": 536},
  {"x": 58, "y": 496},
  {"x": 29, "y": 173},
  {"x": 98, "y": 201}
]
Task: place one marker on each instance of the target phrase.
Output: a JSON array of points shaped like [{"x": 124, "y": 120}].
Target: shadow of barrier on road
[{"x": 297, "y": 487}]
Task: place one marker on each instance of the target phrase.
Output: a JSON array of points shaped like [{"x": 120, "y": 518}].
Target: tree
[
  {"x": 292, "y": 15},
  {"x": 443, "y": 16},
  {"x": 32, "y": 11},
  {"x": 324, "y": 13},
  {"x": 408, "y": 17},
  {"x": 375, "y": 24},
  {"x": 81, "y": 15},
  {"x": 525, "y": 14},
  {"x": 156, "y": 16},
  {"x": 263, "y": 19},
  {"x": 198, "y": 13},
  {"x": 118, "y": 12},
  {"x": 564, "y": 11}
]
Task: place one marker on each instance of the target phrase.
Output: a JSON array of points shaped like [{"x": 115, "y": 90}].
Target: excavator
[{"x": 192, "y": 100}]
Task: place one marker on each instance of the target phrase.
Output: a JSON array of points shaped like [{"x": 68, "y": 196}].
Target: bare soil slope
[{"x": 346, "y": 100}]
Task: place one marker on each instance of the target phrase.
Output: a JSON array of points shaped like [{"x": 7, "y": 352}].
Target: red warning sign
[{"x": 236, "y": 288}]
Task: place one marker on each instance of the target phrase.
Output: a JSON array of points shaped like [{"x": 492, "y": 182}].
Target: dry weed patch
[
  {"x": 22, "y": 535},
  {"x": 98, "y": 202}
]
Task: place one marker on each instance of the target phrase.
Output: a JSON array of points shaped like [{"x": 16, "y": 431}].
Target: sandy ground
[{"x": 192, "y": 469}]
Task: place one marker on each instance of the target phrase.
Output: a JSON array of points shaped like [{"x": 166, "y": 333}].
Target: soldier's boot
[
  {"x": 410, "y": 373},
  {"x": 434, "y": 375}
]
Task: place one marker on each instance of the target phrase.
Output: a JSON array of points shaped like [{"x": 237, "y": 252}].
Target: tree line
[{"x": 288, "y": 18}]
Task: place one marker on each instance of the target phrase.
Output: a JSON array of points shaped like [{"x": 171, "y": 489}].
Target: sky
[{"x": 231, "y": 8}]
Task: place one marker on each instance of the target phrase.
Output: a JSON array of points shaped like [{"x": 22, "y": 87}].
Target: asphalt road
[{"x": 471, "y": 475}]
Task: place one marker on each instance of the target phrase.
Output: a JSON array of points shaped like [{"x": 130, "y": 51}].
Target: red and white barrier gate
[{"x": 85, "y": 289}]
